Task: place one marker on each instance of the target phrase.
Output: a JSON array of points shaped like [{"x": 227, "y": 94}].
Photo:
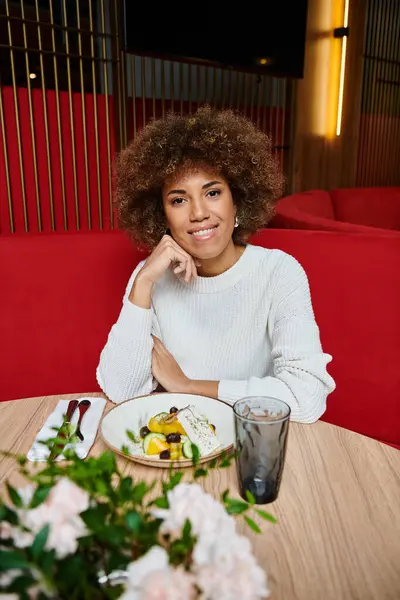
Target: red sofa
[
  {"x": 61, "y": 293},
  {"x": 352, "y": 210}
]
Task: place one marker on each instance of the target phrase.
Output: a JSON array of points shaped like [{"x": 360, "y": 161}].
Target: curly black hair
[{"x": 222, "y": 141}]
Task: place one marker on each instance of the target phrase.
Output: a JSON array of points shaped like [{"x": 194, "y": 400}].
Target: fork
[{"x": 83, "y": 407}]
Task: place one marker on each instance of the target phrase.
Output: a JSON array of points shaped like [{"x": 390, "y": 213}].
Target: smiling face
[{"x": 200, "y": 212}]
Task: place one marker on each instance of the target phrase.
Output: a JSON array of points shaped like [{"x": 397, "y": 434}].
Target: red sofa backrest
[
  {"x": 60, "y": 295},
  {"x": 372, "y": 207},
  {"x": 351, "y": 210},
  {"x": 355, "y": 288}
]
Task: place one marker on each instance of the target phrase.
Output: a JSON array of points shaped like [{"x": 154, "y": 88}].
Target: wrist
[
  {"x": 185, "y": 386},
  {"x": 141, "y": 292},
  {"x": 201, "y": 388}
]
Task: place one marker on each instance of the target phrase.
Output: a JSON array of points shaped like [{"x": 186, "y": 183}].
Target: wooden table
[{"x": 338, "y": 535}]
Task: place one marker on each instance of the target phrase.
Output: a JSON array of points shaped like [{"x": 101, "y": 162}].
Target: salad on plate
[{"x": 170, "y": 436}]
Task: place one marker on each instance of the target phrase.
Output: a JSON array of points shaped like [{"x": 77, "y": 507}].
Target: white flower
[
  {"x": 152, "y": 578},
  {"x": 234, "y": 574},
  {"x": 223, "y": 564},
  {"x": 188, "y": 501},
  {"x": 61, "y": 511}
]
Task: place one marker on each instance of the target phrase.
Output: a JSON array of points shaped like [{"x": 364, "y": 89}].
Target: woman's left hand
[{"x": 166, "y": 370}]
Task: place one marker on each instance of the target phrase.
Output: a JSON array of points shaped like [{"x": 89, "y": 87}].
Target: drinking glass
[{"x": 261, "y": 427}]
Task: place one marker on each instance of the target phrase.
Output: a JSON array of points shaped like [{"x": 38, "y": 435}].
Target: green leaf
[
  {"x": 250, "y": 497},
  {"x": 7, "y": 514},
  {"x": 161, "y": 502},
  {"x": 135, "y": 439},
  {"x": 187, "y": 530},
  {"x": 14, "y": 495},
  {"x": 21, "y": 584},
  {"x": 266, "y": 516},
  {"x": 235, "y": 507},
  {"x": 40, "y": 495},
  {"x": 106, "y": 462},
  {"x": 225, "y": 496},
  {"x": 125, "y": 450},
  {"x": 46, "y": 561},
  {"x": 212, "y": 464},
  {"x": 139, "y": 492},
  {"x": 116, "y": 535},
  {"x": 95, "y": 518},
  {"x": 175, "y": 479},
  {"x": 196, "y": 455},
  {"x": 22, "y": 460},
  {"x": 133, "y": 521},
  {"x": 125, "y": 488},
  {"x": 252, "y": 524},
  {"x": 39, "y": 542},
  {"x": 200, "y": 473},
  {"x": 12, "y": 560}
]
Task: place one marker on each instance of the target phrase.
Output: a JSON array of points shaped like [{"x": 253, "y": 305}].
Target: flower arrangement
[{"x": 82, "y": 530}]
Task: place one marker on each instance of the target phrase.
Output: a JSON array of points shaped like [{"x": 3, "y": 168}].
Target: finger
[
  {"x": 179, "y": 269},
  {"x": 189, "y": 272},
  {"x": 194, "y": 269},
  {"x": 159, "y": 346}
]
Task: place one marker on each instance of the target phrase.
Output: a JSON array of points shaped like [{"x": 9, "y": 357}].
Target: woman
[{"x": 206, "y": 313}]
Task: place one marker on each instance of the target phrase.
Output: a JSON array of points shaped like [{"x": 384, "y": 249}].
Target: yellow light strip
[{"x": 342, "y": 70}]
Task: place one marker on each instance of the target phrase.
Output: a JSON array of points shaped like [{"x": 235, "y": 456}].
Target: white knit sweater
[{"x": 251, "y": 328}]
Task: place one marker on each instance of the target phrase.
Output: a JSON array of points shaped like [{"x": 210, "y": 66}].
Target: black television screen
[{"x": 266, "y": 38}]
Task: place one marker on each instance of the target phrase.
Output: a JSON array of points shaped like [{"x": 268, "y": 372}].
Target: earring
[{"x": 236, "y": 222}]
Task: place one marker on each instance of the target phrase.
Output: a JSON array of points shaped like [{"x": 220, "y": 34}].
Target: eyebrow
[{"x": 204, "y": 187}]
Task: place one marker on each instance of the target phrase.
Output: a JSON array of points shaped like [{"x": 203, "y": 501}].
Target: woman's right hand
[{"x": 167, "y": 254}]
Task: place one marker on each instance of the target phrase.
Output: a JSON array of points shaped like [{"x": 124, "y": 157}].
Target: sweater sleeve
[
  {"x": 299, "y": 376},
  {"x": 124, "y": 370}
]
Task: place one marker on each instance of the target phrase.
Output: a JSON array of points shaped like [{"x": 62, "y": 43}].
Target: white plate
[{"x": 135, "y": 413}]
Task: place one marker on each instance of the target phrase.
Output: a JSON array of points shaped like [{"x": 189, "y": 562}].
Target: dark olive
[
  {"x": 212, "y": 427},
  {"x": 165, "y": 454},
  {"x": 173, "y": 438},
  {"x": 173, "y": 410},
  {"x": 144, "y": 431}
]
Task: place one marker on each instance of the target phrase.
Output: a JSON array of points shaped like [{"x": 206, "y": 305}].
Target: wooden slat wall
[{"x": 379, "y": 150}]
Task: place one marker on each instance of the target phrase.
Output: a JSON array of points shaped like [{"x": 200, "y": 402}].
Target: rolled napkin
[{"x": 89, "y": 426}]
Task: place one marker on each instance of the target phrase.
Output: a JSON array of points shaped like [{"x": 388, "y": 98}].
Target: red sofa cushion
[
  {"x": 60, "y": 294},
  {"x": 372, "y": 207}
]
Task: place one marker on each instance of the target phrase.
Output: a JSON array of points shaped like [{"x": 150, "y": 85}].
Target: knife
[{"x": 62, "y": 433}]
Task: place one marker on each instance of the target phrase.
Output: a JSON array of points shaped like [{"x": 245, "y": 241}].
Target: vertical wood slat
[
  {"x": 133, "y": 75},
  {"x": 45, "y": 116},
  {"x": 17, "y": 120},
  {"x": 83, "y": 103},
  {"x": 389, "y": 109},
  {"x": 7, "y": 168},
  {"x": 71, "y": 121},
  {"x": 396, "y": 95},
  {"x": 143, "y": 74},
  {"x": 31, "y": 121},
  {"x": 95, "y": 118},
  {"x": 382, "y": 47},
  {"x": 58, "y": 113},
  {"x": 106, "y": 95},
  {"x": 380, "y": 120}
]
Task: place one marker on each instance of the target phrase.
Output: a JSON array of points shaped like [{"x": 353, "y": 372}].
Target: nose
[{"x": 199, "y": 210}]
